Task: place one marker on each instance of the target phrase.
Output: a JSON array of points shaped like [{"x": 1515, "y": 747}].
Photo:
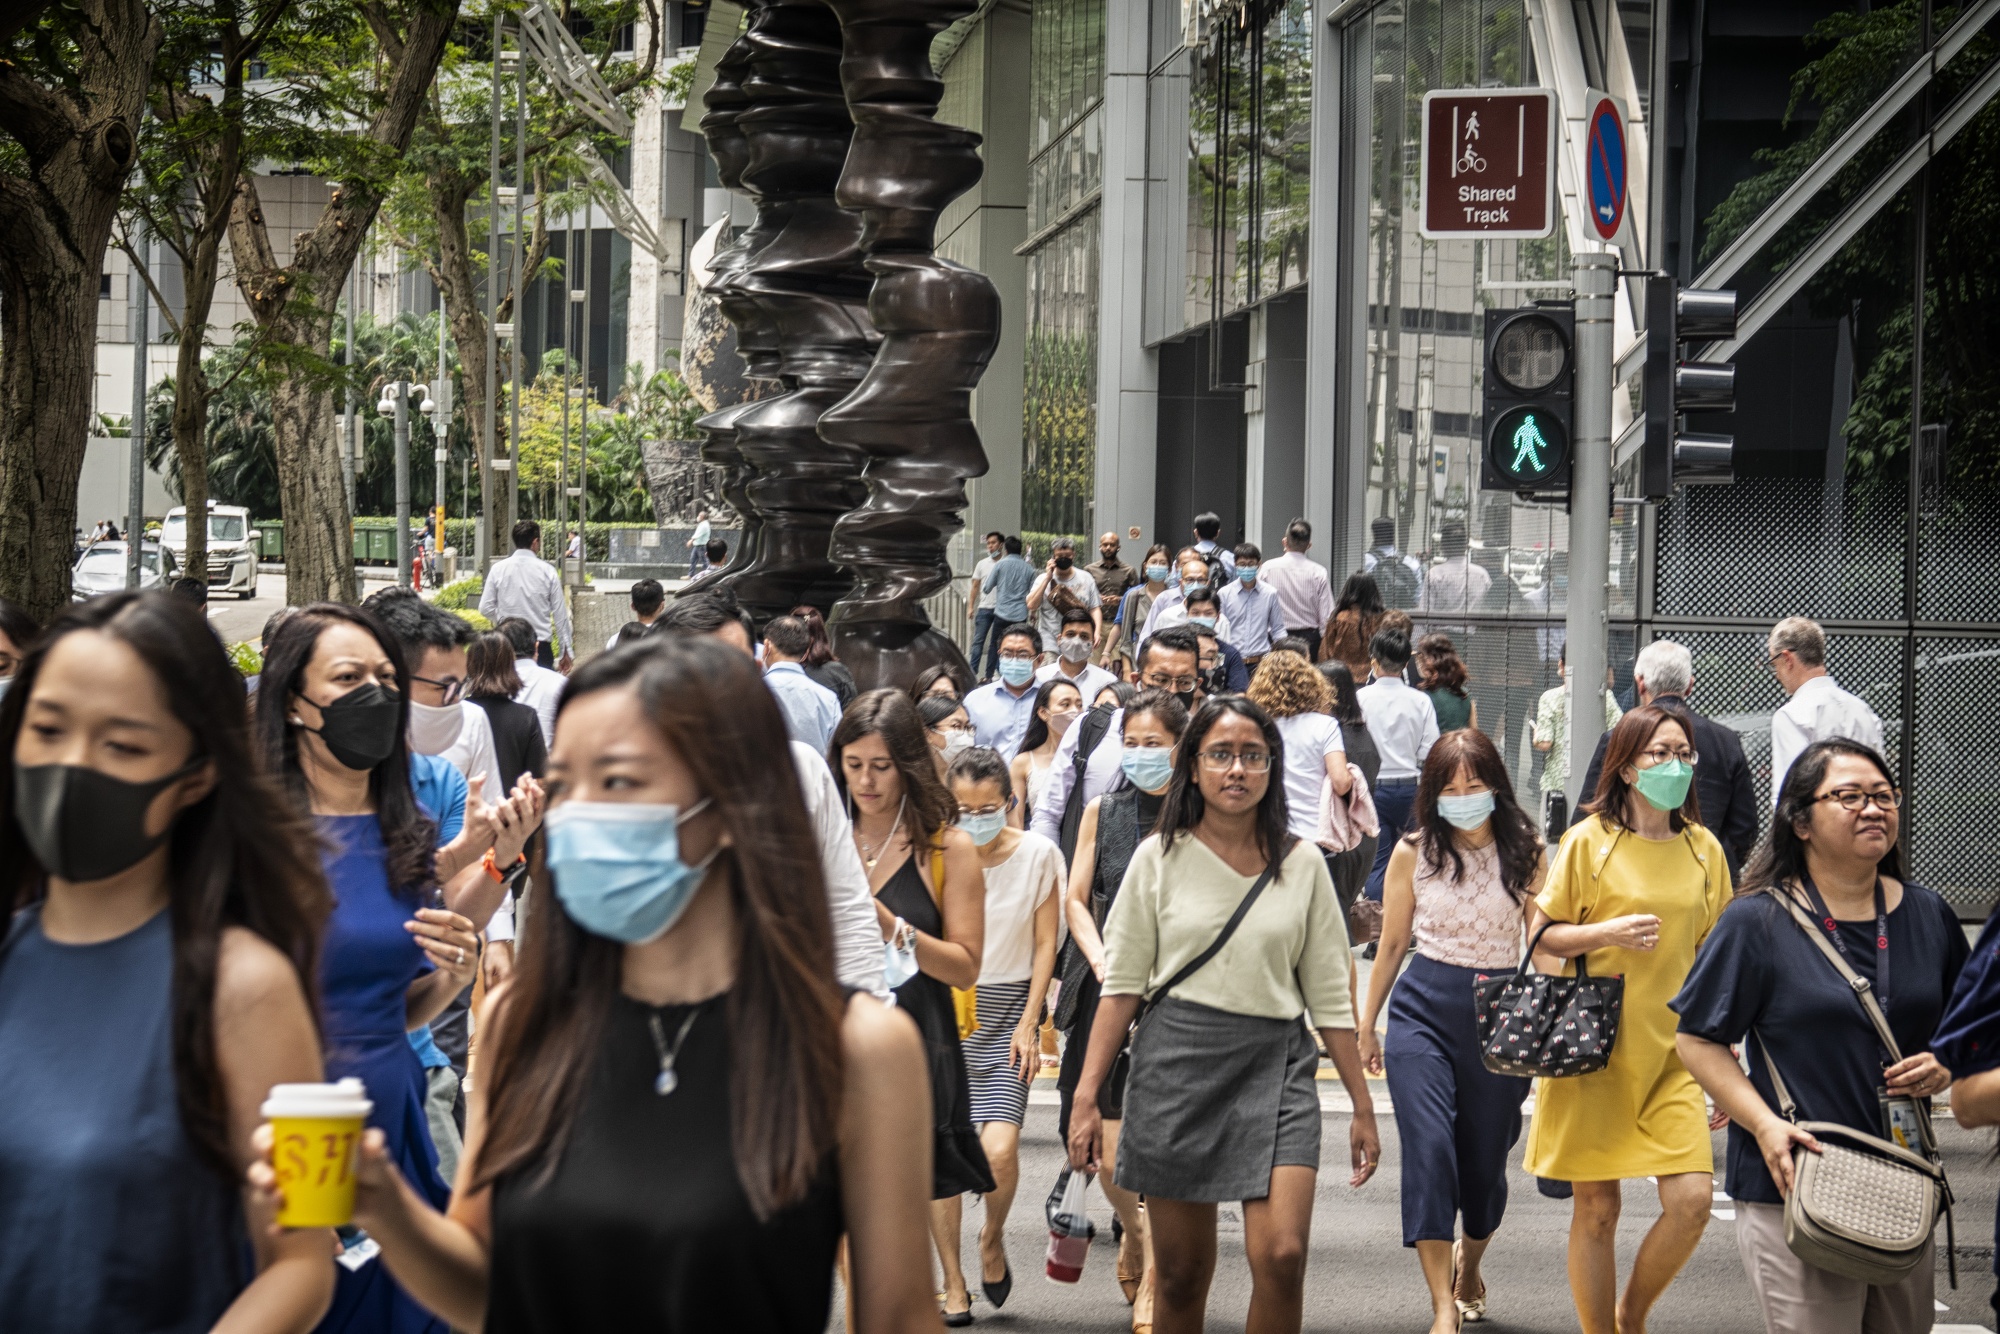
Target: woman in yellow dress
[{"x": 1635, "y": 886}]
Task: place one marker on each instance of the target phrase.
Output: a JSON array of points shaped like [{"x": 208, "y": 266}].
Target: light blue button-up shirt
[
  {"x": 1000, "y": 717},
  {"x": 1255, "y": 618},
  {"x": 811, "y": 710}
]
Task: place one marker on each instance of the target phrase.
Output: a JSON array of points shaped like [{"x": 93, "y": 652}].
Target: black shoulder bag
[
  {"x": 1550, "y": 1027},
  {"x": 1071, "y": 967}
]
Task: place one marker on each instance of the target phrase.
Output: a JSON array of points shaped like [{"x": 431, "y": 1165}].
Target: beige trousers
[{"x": 1798, "y": 1298}]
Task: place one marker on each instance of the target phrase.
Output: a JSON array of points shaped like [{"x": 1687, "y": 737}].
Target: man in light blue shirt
[
  {"x": 1009, "y": 581},
  {"x": 1001, "y": 710},
  {"x": 1256, "y": 620},
  {"x": 811, "y": 710}
]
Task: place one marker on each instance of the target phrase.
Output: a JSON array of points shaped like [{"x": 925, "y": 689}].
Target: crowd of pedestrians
[{"x": 792, "y": 953}]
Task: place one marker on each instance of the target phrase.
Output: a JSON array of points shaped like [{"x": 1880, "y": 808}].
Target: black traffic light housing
[
  {"x": 1675, "y": 316},
  {"x": 1530, "y": 378}
]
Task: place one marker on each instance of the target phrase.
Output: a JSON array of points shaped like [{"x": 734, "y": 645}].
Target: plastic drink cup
[
  {"x": 1067, "y": 1252},
  {"x": 315, "y": 1149}
]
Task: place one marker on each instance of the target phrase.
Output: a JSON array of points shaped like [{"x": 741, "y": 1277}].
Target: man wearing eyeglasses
[
  {"x": 1168, "y": 661},
  {"x": 1818, "y": 708}
]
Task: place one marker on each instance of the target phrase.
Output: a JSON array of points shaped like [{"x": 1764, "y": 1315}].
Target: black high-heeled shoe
[
  {"x": 955, "y": 1319},
  {"x": 997, "y": 1292}
]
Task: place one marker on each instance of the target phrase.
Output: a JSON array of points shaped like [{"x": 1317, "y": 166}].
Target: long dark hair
[
  {"x": 930, "y": 676},
  {"x": 1346, "y": 703},
  {"x": 820, "y": 652},
  {"x": 1362, "y": 593},
  {"x": 890, "y": 715},
  {"x": 1514, "y": 833},
  {"x": 1632, "y": 735},
  {"x": 784, "y": 1010},
  {"x": 1184, "y": 806},
  {"x": 1780, "y": 858},
  {"x": 1038, "y": 726},
  {"x": 241, "y": 856},
  {"x": 409, "y": 835}
]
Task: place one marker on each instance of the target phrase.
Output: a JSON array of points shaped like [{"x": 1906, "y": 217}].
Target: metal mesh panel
[
  {"x": 1949, "y": 831},
  {"x": 1956, "y": 549},
  {"x": 1775, "y": 547}
]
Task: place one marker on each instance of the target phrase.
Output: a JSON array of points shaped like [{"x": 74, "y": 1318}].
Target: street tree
[
  {"x": 373, "y": 78},
  {"x": 73, "y": 81}
]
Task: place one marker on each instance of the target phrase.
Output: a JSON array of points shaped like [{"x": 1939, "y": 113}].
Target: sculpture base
[{"x": 893, "y": 654}]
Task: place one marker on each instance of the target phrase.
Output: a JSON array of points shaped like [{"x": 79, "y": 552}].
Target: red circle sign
[{"x": 1604, "y": 169}]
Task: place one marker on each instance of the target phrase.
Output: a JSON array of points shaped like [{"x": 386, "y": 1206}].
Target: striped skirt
[{"x": 998, "y": 1091}]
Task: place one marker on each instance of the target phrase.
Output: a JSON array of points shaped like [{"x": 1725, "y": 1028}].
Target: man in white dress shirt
[
  {"x": 541, "y": 689},
  {"x": 1818, "y": 708},
  {"x": 1305, "y": 592},
  {"x": 527, "y": 586},
  {"x": 1404, "y": 727}
]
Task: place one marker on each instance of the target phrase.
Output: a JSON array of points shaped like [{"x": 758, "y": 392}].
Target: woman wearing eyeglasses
[
  {"x": 1222, "y": 1060},
  {"x": 947, "y": 727},
  {"x": 1762, "y": 980},
  {"x": 1636, "y": 887}
]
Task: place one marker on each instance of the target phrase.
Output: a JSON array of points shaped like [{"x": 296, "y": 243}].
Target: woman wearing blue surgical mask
[
  {"x": 930, "y": 900},
  {"x": 1024, "y": 874},
  {"x": 165, "y": 909},
  {"x": 332, "y": 723},
  {"x": 1113, "y": 826},
  {"x": 1136, "y": 605},
  {"x": 1460, "y": 886},
  {"x": 1058, "y": 703},
  {"x": 678, "y": 1112},
  {"x": 947, "y": 727}
]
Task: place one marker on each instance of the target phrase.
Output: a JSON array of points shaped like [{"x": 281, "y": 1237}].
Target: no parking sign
[{"x": 1604, "y": 164}]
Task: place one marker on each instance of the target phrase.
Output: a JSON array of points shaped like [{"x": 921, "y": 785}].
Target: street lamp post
[{"x": 396, "y": 397}]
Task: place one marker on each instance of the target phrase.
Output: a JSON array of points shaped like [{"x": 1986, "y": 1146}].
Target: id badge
[{"x": 1901, "y": 1123}]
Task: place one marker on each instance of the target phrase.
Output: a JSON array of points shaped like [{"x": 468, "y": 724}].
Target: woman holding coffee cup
[
  {"x": 153, "y": 985},
  {"x": 331, "y": 722},
  {"x": 676, "y": 1112}
]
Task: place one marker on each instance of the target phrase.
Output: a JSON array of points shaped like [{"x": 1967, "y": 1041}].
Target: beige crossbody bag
[{"x": 1863, "y": 1207}]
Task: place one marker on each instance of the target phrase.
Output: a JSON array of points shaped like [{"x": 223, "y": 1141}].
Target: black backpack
[{"x": 1394, "y": 577}]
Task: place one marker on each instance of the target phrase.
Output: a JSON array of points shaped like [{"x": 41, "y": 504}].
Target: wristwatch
[{"x": 510, "y": 876}]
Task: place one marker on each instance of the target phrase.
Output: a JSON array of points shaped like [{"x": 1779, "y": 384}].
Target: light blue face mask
[
  {"x": 1247, "y": 573},
  {"x": 1467, "y": 810},
  {"x": 1149, "y": 767},
  {"x": 1202, "y": 622},
  {"x": 1157, "y": 573},
  {"x": 1017, "y": 671},
  {"x": 618, "y": 869},
  {"x": 983, "y": 829}
]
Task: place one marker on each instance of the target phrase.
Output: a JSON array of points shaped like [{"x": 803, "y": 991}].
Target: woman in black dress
[
  {"x": 678, "y": 1112},
  {"x": 930, "y": 894},
  {"x": 491, "y": 682}
]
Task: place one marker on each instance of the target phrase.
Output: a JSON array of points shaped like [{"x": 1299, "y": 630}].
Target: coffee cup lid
[{"x": 349, "y": 1097}]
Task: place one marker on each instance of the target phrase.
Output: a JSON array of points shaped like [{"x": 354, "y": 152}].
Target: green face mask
[{"x": 1665, "y": 786}]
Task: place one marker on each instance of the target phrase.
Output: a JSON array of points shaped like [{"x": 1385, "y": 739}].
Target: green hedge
[
  {"x": 1041, "y": 543},
  {"x": 458, "y": 533}
]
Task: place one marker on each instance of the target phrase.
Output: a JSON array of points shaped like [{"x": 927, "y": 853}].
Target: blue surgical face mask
[
  {"x": 1156, "y": 573},
  {"x": 983, "y": 829},
  {"x": 1247, "y": 573},
  {"x": 1202, "y": 622},
  {"x": 1467, "y": 810},
  {"x": 1017, "y": 671},
  {"x": 1149, "y": 767},
  {"x": 618, "y": 869}
]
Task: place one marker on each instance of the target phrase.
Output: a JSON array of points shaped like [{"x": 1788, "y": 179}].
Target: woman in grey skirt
[{"x": 1220, "y": 1102}]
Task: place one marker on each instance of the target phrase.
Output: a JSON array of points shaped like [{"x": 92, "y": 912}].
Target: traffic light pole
[{"x": 1596, "y": 278}]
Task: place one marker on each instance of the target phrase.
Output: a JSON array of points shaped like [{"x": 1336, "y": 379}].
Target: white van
[{"x": 232, "y": 547}]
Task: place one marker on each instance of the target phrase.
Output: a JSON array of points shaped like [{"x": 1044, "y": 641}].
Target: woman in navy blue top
[
  {"x": 153, "y": 986},
  {"x": 332, "y": 724},
  {"x": 1762, "y": 982}
]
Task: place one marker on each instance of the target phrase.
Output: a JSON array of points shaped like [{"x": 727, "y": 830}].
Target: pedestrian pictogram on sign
[
  {"x": 1487, "y": 159},
  {"x": 1604, "y": 167}
]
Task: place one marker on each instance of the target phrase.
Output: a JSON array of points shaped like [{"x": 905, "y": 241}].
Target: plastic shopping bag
[{"x": 1069, "y": 1233}]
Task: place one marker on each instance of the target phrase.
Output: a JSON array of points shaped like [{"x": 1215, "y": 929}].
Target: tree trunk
[
  {"x": 319, "y": 545},
  {"x": 191, "y": 392},
  {"x": 75, "y": 145}
]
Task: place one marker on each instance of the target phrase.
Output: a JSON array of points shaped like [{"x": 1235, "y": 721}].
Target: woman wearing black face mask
[
  {"x": 153, "y": 985},
  {"x": 331, "y": 723}
]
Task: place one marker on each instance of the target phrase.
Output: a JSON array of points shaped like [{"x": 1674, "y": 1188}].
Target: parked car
[
  {"x": 101, "y": 569},
  {"x": 232, "y": 547}
]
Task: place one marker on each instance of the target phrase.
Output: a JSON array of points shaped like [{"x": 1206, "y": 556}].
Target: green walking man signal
[
  {"x": 1528, "y": 447},
  {"x": 1526, "y": 400}
]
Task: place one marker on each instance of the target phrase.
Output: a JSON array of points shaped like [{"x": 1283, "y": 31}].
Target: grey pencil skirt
[{"x": 1215, "y": 1101}]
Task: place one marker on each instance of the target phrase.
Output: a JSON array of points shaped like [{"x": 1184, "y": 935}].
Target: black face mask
[
  {"x": 85, "y": 825},
  {"x": 360, "y": 728},
  {"x": 1186, "y": 697},
  {"x": 1064, "y": 562}
]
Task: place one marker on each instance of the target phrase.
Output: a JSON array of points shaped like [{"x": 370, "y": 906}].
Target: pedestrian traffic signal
[
  {"x": 1675, "y": 316},
  {"x": 1530, "y": 374}
]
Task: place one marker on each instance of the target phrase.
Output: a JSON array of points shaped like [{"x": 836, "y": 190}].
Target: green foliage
[
  {"x": 460, "y": 594},
  {"x": 247, "y": 657},
  {"x": 472, "y": 618},
  {"x": 677, "y": 83}
]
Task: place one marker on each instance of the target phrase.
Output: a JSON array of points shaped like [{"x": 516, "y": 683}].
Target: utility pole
[
  {"x": 1596, "y": 278},
  {"x": 396, "y": 401},
  {"x": 140, "y": 312},
  {"x": 489, "y": 457},
  {"x": 520, "y": 296},
  {"x": 441, "y": 435},
  {"x": 348, "y": 406}
]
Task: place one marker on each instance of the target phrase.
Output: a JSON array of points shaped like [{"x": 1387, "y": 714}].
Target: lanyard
[{"x": 1826, "y": 919}]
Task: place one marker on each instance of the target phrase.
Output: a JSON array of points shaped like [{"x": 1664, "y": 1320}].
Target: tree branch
[
  {"x": 124, "y": 243},
  {"x": 37, "y": 119}
]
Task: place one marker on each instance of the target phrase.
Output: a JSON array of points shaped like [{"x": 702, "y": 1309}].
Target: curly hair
[
  {"x": 1286, "y": 685},
  {"x": 1443, "y": 669}
]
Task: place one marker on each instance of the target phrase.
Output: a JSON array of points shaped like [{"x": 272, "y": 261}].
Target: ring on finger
[{"x": 461, "y": 954}]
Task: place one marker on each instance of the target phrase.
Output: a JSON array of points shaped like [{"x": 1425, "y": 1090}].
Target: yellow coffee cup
[{"x": 315, "y": 1149}]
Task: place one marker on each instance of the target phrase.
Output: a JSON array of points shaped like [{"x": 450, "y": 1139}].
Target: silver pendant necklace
[
  {"x": 887, "y": 839},
  {"x": 668, "y": 1080}
]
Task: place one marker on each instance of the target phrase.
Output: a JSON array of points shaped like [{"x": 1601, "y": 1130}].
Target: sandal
[
  {"x": 1468, "y": 1312},
  {"x": 1129, "y": 1285}
]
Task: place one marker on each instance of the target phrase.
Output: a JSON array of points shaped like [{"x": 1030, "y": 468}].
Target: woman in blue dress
[
  {"x": 332, "y": 721},
  {"x": 154, "y": 978}
]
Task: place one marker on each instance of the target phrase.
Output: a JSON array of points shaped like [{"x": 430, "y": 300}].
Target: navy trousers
[
  {"x": 1394, "y": 800},
  {"x": 985, "y": 644},
  {"x": 1457, "y": 1120}
]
